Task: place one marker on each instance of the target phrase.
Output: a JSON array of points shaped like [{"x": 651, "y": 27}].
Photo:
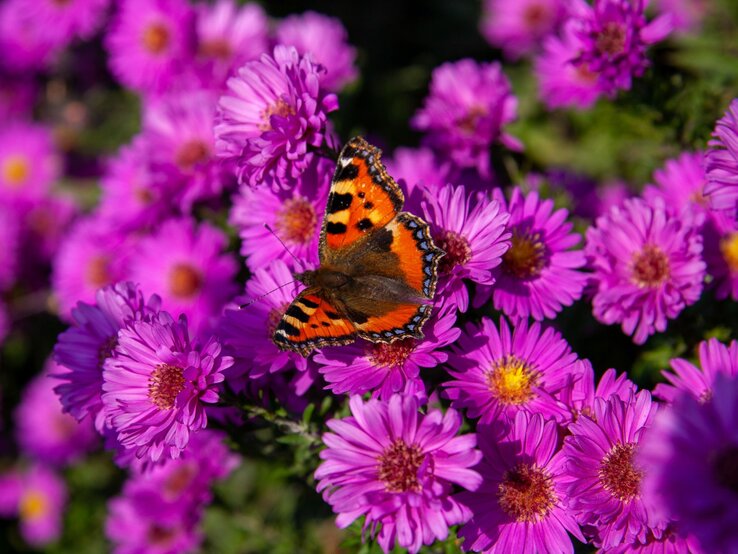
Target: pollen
[
  {"x": 393, "y": 354},
  {"x": 190, "y": 154},
  {"x": 457, "y": 249},
  {"x": 165, "y": 383},
  {"x": 526, "y": 256},
  {"x": 511, "y": 381},
  {"x": 468, "y": 123},
  {"x": 185, "y": 281},
  {"x": 729, "y": 250},
  {"x": 33, "y": 505},
  {"x": 536, "y": 16},
  {"x": 15, "y": 170},
  {"x": 618, "y": 475},
  {"x": 611, "y": 40},
  {"x": 281, "y": 108},
  {"x": 98, "y": 271},
  {"x": 217, "y": 48},
  {"x": 156, "y": 38},
  {"x": 296, "y": 221},
  {"x": 526, "y": 493},
  {"x": 650, "y": 267},
  {"x": 398, "y": 467},
  {"x": 179, "y": 480}
]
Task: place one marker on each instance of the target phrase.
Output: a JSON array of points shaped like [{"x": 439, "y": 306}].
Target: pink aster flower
[
  {"x": 17, "y": 95},
  {"x": 418, "y": 169},
  {"x": 580, "y": 393},
  {"x": 156, "y": 385},
  {"x": 686, "y": 15},
  {"x": 396, "y": 467},
  {"x": 471, "y": 231},
  {"x": 721, "y": 163},
  {"x": 671, "y": 541},
  {"x": 64, "y": 21},
  {"x": 647, "y": 266},
  {"x": 521, "y": 504},
  {"x": 41, "y": 505},
  {"x": 150, "y": 43},
  {"x": 721, "y": 253},
  {"x": 83, "y": 348},
  {"x": 43, "y": 431},
  {"x": 29, "y": 163},
  {"x": 229, "y": 36},
  {"x": 614, "y": 36},
  {"x": 294, "y": 216},
  {"x": 464, "y": 114},
  {"x": 273, "y": 117},
  {"x": 184, "y": 263},
  {"x": 325, "y": 39},
  {"x": 540, "y": 273},
  {"x": 26, "y": 46},
  {"x": 501, "y": 372},
  {"x": 603, "y": 474},
  {"x": 680, "y": 183},
  {"x": 715, "y": 359},
  {"x": 519, "y": 27},
  {"x": 387, "y": 368},
  {"x": 691, "y": 453}
]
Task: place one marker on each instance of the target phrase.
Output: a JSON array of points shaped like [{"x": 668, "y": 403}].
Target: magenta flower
[
  {"x": 43, "y": 431},
  {"x": 418, "y": 169},
  {"x": 326, "y": 41},
  {"x": 518, "y": 28},
  {"x": 64, "y": 21},
  {"x": 464, "y": 114},
  {"x": 540, "y": 273},
  {"x": 83, "y": 348},
  {"x": 41, "y": 505},
  {"x": 501, "y": 372},
  {"x": 10, "y": 245},
  {"x": 47, "y": 223},
  {"x": 721, "y": 253},
  {"x": 686, "y": 15},
  {"x": 521, "y": 504},
  {"x": 29, "y": 44},
  {"x": 715, "y": 359},
  {"x": 647, "y": 266},
  {"x": 672, "y": 541},
  {"x": 721, "y": 163},
  {"x": 156, "y": 385},
  {"x": 295, "y": 217},
  {"x": 691, "y": 453},
  {"x": 603, "y": 474},
  {"x": 580, "y": 393},
  {"x": 273, "y": 117},
  {"x": 680, "y": 183},
  {"x": 386, "y": 368},
  {"x": 29, "y": 163},
  {"x": 471, "y": 231},
  {"x": 150, "y": 43},
  {"x": 185, "y": 264},
  {"x": 614, "y": 36},
  {"x": 396, "y": 467}
]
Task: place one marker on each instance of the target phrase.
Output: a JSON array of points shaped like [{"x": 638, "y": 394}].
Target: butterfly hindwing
[
  {"x": 417, "y": 255},
  {"x": 400, "y": 322}
]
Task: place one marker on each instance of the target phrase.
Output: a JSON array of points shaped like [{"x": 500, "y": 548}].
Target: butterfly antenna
[
  {"x": 261, "y": 296},
  {"x": 268, "y": 228}
]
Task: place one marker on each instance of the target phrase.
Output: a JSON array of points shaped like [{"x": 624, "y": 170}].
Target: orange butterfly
[{"x": 378, "y": 265}]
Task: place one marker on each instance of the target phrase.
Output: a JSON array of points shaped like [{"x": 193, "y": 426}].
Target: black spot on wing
[
  {"x": 357, "y": 317},
  {"x": 364, "y": 224},
  {"x": 361, "y": 195},
  {"x": 297, "y": 313},
  {"x": 346, "y": 172},
  {"x": 335, "y": 228},
  {"x": 382, "y": 240},
  {"x": 314, "y": 325},
  {"x": 368, "y": 205},
  {"x": 308, "y": 303},
  {"x": 332, "y": 315},
  {"x": 288, "y": 328},
  {"x": 338, "y": 202}
]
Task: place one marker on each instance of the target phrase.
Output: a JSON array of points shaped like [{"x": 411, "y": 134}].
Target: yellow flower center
[
  {"x": 280, "y": 108},
  {"x": 729, "y": 249},
  {"x": 98, "y": 271},
  {"x": 156, "y": 38},
  {"x": 33, "y": 505},
  {"x": 511, "y": 380},
  {"x": 184, "y": 280},
  {"x": 526, "y": 493},
  {"x": 165, "y": 383},
  {"x": 296, "y": 220},
  {"x": 526, "y": 257},
  {"x": 16, "y": 169},
  {"x": 398, "y": 467},
  {"x": 190, "y": 154},
  {"x": 650, "y": 267}
]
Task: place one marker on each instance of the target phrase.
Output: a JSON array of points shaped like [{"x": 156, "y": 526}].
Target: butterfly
[{"x": 378, "y": 265}]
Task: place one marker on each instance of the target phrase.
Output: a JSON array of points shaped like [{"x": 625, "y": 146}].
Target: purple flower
[
  {"x": 471, "y": 231},
  {"x": 326, "y": 41},
  {"x": 520, "y": 27},
  {"x": 686, "y": 15},
  {"x": 647, "y": 266},
  {"x": 26, "y": 46},
  {"x": 468, "y": 106},
  {"x": 47, "y": 222},
  {"x": 418, "y": 169},
  {"x": 396, "y": 467},
  {"x": 150, "y": 43},
  {"x": 17, "y": 95},
  {"x": 29, "y": 164},
  {"x": 715, "y": 359},
  {"x": 671, "y": 541},
  {"x": 64, "y": 21},
  {"x": 521, "y": 504},
  {"x": 387, "y": 368},
  {"x": 615, "y": 35},
  {"x": 580, "y": 393},
  {"x": 539, "y": 274},
  {"x": 10, "y": 245},
  {"x": 184, "y": 263},
  {"x": 83, "y": 348},
  {"x": 43, "y": 431},
  {"x": 41, "y": 505},
  {"x": 273, "y": 117},
  {"x": 721, "y": 253},
  {"x": 603, "y": 475},
  {"x": 691, "y": 452},
  {"x": 499, "y": 372},
  {"x": 680, "y": 183},
  {"x": 156, "y": 385},
  {"x": 721, "y": 163},
  {"x": 295, "y": 217}
]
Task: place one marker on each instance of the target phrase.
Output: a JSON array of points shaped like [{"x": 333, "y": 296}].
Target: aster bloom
[
  {"x": 499, "y": 372},
  {"x": 156, "y": 385},
  {"x": 521, "y": 503},
  {"x": 471, "y": 231},
  {"x": 30, "y": 46},
  {"x": 680, "y": 183},
  {"x": 185, "y": 264},
  {"x": 326, "y": 41},
  {"x": 150, "y": 43},
  {"x": 83, "y": 348},
  {"x": 396, "y": 467},
  {"x": 686, "y": 15},
  {"x": 43, "y": 431},
  {"x": 66, "y": 20},
  {"x": 464, "y": 114},
  {"x": 519, "y": 27},
  {"x": 418, "y": 169},
  {"x": 540, "y": 273},
  {"x": 46, "y": 224},
  {"x": 580, "y": 393},
  {"x": 647, "y": 266},
  {"x": 691, "y": 453},
  {"x": 721, "y": 163},
  {"x": 614, "y": 36},
  {"x": 672, "y": 541},
  {"x": 387, "y": 368},
  {"x": 294, "y": 216},
  {"x": 228, "y": 36},
  {"x": 273, "y": 117},
  {"x": 715, "y": 359},
  {"x": 603, "y": 474},
  {"x": 29, "y": 164},
  {"x": 721, "y": 253},
  {"x": 41, "y": 505}
]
